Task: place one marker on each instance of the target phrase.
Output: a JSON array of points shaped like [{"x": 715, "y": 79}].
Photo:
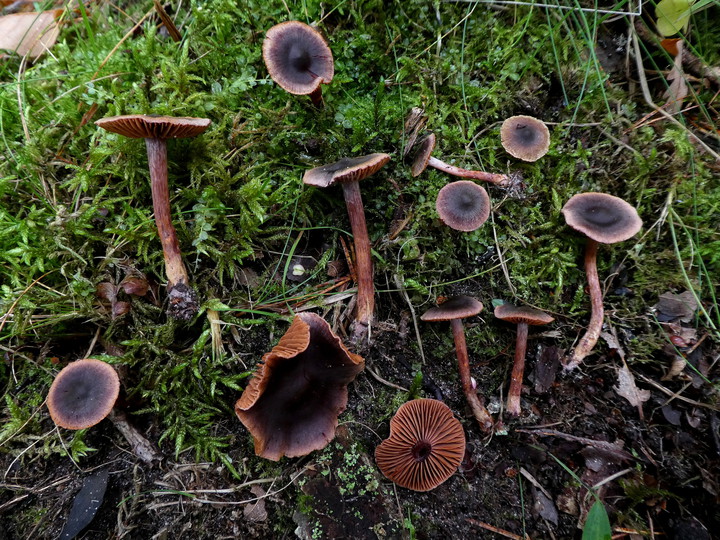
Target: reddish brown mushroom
[
  {"x": 298, "y": 59},
  {"x": 292, "y": 403},
  {"x": 525, "y": 137},
  {"x": 463, "y": 205},
  {"x": 156, "y": 130},
  {"x": 425, "y": 447},
  {"x": 423, "y": 159},
  {"x": 348, "y": 172},
  {"x": 522, "y": 316},
  {"x": 455, "y": 310},
  {"x": 604, "y": 219}
]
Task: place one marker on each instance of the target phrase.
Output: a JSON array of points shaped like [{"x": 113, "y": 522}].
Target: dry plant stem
[
  {"x": 497, "y": 179},
  {"x": 479, "y": 411},
  {"x": 140, "y": 446},
  {"x": 363, "y": 262},
  {"x": 592, "y": 334},
  {"x": 516, "y": 379}
]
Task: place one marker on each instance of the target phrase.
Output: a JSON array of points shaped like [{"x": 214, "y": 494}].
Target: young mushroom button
[
  {"x": 604, "y": 219},
  {"x": 423, "y": 159},
  {"x": 298, "y": 59},
  {"x": 523, "y": 317},
  {"x": 348, "y": 172},
  {"x": 455, "y": 310},
  {"x": 525, "y": 137},
  {"x": 463, "y": 205},
  {"x": 156, "y": 130}
]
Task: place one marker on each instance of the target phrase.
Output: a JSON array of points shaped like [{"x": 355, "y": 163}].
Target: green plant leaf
[
  {"x": 597, "y": 524},
  {"x": 672, "y": 16}
]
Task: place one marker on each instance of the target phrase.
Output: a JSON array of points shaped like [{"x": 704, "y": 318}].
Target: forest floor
[{"x": 82, "y": 273}]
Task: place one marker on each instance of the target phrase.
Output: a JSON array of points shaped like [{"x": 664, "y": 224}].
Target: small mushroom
[
  {"x": 455, "y": 310},
  {"x": 292, "y": 403},
  {"x": 156, "y": 130},
  {"x": 425, "y": 447},
  {"x": 463, "y": 205},
  {"x": 298, "y": 59},
  {"x": 423, "y": 159},
  {"x": 604, "y": 219},
  {"x": 348, "y": 172},
  {"x": 522, "y": 316},
  {"x": 525, "y": 137}
]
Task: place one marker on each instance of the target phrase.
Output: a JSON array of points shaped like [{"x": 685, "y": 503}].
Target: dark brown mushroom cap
[
  {"x": 425, "y": 447},
  {"x": 145, "y": 126},
  {"x": 458, "y": 307},
  {"x": 292, "y": 403},
  {"x": 345, "y": 170},
  {"x": 463, "y": 205},
  {"x": 422, "y": 154},
  {"x": 522, "y": 314},
  {"x": 604, "y": 218},
  {"x": 525, "y": 137},
  {"x": 297, "y": 57},
  {"x": 83, "y": 393}
]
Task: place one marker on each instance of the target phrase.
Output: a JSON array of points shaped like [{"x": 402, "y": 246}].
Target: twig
[
  {"x": 675, "y": 395},
  {"x": 496, "y": 530},
  {"x": 379, "y": 379}
]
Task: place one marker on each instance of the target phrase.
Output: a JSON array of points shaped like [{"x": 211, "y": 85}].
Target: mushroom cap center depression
[
  {"x": 299, "y": 57},
  {"x": 525, "y": 134},
  {"x": 421, "y": 450}
]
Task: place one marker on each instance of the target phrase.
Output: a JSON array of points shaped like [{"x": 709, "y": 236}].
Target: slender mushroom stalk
[
  {"x": 523, "y": 317},
  {"x": 348, "y": 172},
  {"x": 183, "y": 303},
  {"x": 423, "y": 159},
  {"x": 604, "y": 219},
  {"x": 454, "y": 310}
]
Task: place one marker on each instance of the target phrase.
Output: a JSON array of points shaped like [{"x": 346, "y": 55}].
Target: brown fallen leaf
[
  {"x": 29, "y": 34},
  {"x": 628, "y": 389},
  {"x": 671, "y": 307},
  {"x": 678, "y": 90}
]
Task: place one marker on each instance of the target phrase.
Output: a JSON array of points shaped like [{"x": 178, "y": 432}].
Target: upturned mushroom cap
[
  {"x": 525, "y": 137},
  {"x": 522, "y": 314},
  {"x": 83, "y": 393},
  {"x": 425, "y": 447},
  {"x": 297, "y": 57},
  {"x": 345, "y": 170},
  {"x": 422, "y": 155},
  {"x": 292, "y": 403},
  {"x": 604, "y": 218},
  {"x": 458, "y": 307},
  {"x": 146, "y": 126},
  {"x": 463, "y": 205}
]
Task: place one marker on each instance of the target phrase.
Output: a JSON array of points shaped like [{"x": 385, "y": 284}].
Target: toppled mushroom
[
  {"x": 298, "y": 59},
  {"x": 455, "y": 310},
  {"x": 183, "y": 303},
  {"x": 604, "y": 219},
  {"x": 292, "y": 403},
  {"x": 525, "y": 137},
  {"x": 348, "y": 172},
  {"x": 522, "y": 316},
  {"x": 423, "y": 159},
  {"x": 425, "y": 447},
  {"x": 463, "y": 205}
]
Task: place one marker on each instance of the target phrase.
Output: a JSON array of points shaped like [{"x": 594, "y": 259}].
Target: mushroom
[
  {"x": 85, "y": 392},
  {"x": 298, "y": 59},
  {"x": 604, "y": 219},
  {"x": 423, "y": 160},
  {"x": 292, "y": 403},
  {"x": 525, "y": 137},
  {"x": 455, "y": 310},
  {"x": 348, "y": 172},
  {"x": 463, "y": 205},
  {"x": 522, "y": 316},
  {"x": 425, "y": 447},
  {"x": 156, "y": 130}
]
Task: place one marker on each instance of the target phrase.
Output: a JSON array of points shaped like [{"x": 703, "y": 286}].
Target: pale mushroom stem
[
  {"x": 516, "y": 378},
  {"x": 139, "y": 445},
  {"x": 497, "y": 179},
  {"x": 479, "y": 411},
  {"x": 183, "y": 303},
  {"x": 592, "y": 334},
  {"x": 363, "y": 262}
]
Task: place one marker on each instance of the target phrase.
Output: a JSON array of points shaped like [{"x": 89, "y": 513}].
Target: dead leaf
[
  {"x": 676, "y": 368},
  {"x": 678, "y": 89},
  {"x": 673, "y": 306},
  {"x": 256, "y": 511},
  {"x": 135, "y": 285},
  {"x": 626, "y": 388},
  {"x": 29, "y": 34},
  {"x": 613, "y": 342}
]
